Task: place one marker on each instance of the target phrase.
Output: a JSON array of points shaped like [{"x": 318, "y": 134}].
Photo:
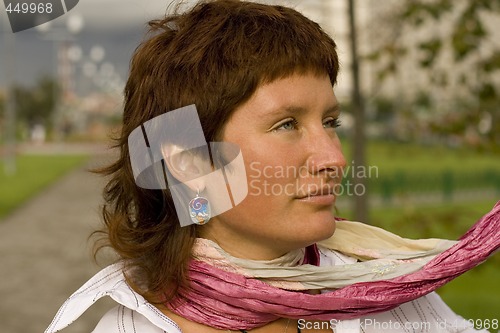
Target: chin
[
  {"x": 328, "y": 232},
  {"x": 319, "y": 229}
]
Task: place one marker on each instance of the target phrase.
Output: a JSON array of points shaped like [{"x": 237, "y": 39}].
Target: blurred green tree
[
  {"x": 36, "y": 105},
  {"x": 452, "y": 41}
]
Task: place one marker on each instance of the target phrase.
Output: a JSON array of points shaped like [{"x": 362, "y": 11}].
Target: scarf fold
[{"x": 234, "y": 293}]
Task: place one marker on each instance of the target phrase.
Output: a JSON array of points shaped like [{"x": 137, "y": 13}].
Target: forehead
[
  {"x": 287, "y": 97},
  {"x": 294, "y": 94}
]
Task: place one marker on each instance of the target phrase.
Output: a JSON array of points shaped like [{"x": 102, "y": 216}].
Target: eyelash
[
  {"x": 335, "y": 123},
  {"x": 278, "y": 127}
]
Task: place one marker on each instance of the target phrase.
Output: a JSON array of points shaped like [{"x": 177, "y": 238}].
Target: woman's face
[{"x": 293, "y": 160}]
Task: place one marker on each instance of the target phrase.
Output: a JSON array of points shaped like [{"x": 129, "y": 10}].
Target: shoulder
[
  {"x": 121, "y": 319},
  {"x": 425, "y": 314},
  {"x": 133, "y": 310}
]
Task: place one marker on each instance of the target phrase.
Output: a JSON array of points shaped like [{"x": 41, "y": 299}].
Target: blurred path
[{"x": 45, "y": 255}]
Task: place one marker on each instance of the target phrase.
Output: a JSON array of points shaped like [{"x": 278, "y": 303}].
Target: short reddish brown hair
[{"x": 214, "y": 56}]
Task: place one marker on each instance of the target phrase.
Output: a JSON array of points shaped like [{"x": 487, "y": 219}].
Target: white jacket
[{"x": 135, "y": 315}]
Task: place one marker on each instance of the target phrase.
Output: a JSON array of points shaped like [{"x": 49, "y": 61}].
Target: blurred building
[
  {"x": 445, "y": 93},
  {"x": 92, "y": 117}
]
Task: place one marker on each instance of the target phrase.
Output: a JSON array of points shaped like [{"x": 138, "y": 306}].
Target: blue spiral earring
[{"x": 199, "y": 209}]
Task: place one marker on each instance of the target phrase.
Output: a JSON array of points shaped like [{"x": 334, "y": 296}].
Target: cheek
[{"x": 268, "y": 181}]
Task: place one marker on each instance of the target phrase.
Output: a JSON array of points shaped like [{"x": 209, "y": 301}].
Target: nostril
[{"x": 335, "y": 172}]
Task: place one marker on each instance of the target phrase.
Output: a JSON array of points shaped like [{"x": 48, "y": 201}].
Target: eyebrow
[{"x": 298, "y": 109}]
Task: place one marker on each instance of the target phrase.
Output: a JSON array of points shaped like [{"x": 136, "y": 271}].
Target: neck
[{"x": 246, "y": 247}]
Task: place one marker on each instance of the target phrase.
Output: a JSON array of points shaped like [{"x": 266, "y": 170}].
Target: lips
[
  {"x": 324, "y": 191},
  {"x": 324, "y": 198}
]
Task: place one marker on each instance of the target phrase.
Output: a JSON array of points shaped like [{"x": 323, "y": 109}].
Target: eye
[
  {"x": 331, "y": 123},
  {"x": 286, "y": 125}
]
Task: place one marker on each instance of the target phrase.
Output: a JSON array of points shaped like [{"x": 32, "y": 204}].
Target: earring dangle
[{"x": 199, "y": 209}]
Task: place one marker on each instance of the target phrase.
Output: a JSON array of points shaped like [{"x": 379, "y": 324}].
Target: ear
[{"x": 187, "y": 166}]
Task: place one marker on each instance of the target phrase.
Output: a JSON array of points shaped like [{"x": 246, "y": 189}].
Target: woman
[{"x": 261, "y": 80}]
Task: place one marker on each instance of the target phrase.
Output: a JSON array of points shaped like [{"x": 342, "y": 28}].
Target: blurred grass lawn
[
  {"x": 390, "y": 157},
  {"x": 34, "y": 172},
  {"x": 476, "y": 294}
]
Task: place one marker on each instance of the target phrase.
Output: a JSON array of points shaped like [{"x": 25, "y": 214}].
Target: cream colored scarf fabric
[{"x": 382, "y": 255}]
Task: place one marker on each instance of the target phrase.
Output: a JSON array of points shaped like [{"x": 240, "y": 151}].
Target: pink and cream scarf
[{"x": 233, "y": 293}]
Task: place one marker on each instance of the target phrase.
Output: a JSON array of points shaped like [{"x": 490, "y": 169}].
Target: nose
[{"x": 325, "y": 154}]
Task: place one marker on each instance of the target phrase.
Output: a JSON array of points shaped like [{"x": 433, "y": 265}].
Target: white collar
[{"x": 109, "y": 282}]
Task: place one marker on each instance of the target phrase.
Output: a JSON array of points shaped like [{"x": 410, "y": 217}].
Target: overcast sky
[
  {"x": 105, "y": 15},
  {"x": 116, "y": 25},
  {"x": 112, "y": 14},
  {"x": 108, "y": 15}
]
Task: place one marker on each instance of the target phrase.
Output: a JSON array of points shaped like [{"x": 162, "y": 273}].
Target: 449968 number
[{"x": 30, "y": 7}]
